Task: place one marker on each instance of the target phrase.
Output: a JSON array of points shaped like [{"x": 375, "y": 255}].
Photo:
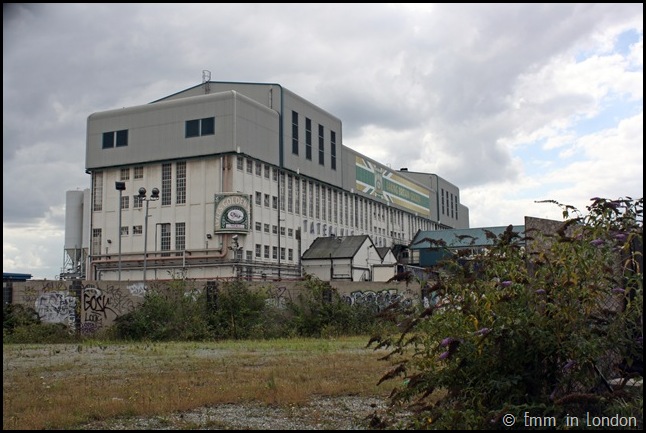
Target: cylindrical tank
[{"x": 73, "y": 220}]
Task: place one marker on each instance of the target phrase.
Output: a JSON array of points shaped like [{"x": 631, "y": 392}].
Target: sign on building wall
[
  {"x": 232, "y": 213},
  {"x": 385, "y": 184}
]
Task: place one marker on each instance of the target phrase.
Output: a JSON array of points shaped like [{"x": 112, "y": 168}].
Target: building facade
[{"x": 230, "y": 179}]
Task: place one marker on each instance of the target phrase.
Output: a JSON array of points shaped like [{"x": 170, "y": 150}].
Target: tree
[{"x": 522, "y": 332}]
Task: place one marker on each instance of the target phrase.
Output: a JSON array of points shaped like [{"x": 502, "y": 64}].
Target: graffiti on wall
[
  {"x": 278, "y": 297},
  {"x": 102, "y": 306},
  {"x": 56, "y": 307},
  {"x": 378, "y": 300}
]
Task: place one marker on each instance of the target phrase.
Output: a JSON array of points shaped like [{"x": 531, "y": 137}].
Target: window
[
  {"x": 290, "y": 232},
  {"x": 274, "y": 229},
  {"x": 321, "y": 146},
  {"x": 249, "y": 166},
  {"x": 266, "y": 228},
  {"x": 165, "y": 238},
  {"x": 167, "y": 176},
  {"x": 297, "y": 195},
  {"x": 125, "y": 174},
  {"x": 290, "y": 254},
  {"x": 137, "y": 230},
  {"x": 282, "y": 231},
  {"x": 281, "y": 190},
  {"x": 282, "y": 253},
  {"x": 290, "y": 193},
  {"x": 239, "y": 163},
  {"x": 118, "y": 139},
  {"x": 266, "y": 248},
  {"x": 180, "y": 237},
  {"x": 180, "y": 182},
  {"x": 139, "y": 172},
  {"x": 308, "y": 138},
  {"x": 333, "y": 150},
  {"x": 258, "y": 169},
  {"x": 249, "y": 255},
  {"x": 266, "y": 172},
  {"x": 200, "y": 127},
  {"x": 124, "y": 230},
  {"x": 258, "y": 250},
  {"x": 274, "y": 253},
  {"x": 311, "y": 199},
  {"x": 97, "y": 191},
  {"x": 96, "y": 241},
  {"x": 318, "y": 201},
  {"x": 122, "y": 138},
  {"x": 258, "y": 226},
  {"x": 294, "y": 132},
  {"x": 274, "y": 202},
  {"x": 258, "y": 198},
  {"x": 267, "y": 200},
  {"x": 125, "y": 202},
  {"x": 137, "y": 201},
  {"x": 274, "y": 174}
]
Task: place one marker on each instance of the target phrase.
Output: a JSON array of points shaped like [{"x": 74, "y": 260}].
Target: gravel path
[{"x": 338, "y": 413}]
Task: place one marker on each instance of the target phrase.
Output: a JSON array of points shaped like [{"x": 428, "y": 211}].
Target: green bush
[
  {"x": 20, "y": 324},
  {"x": 539, "y": 334},
  {"x": 235, "y": 311},
  {"x": 320, "y": 311},
  {"x": 175, "y": 313}
]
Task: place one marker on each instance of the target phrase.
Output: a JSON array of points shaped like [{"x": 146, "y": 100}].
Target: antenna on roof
[{"x": 206, "y": 78}]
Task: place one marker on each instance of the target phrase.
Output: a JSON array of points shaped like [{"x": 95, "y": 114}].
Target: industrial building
[{"x": 229, "y": 179}]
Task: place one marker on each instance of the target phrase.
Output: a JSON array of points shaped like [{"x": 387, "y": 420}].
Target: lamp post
[
  {"x": 120, "y": 186},
  {"x": 153, "y": 196}
]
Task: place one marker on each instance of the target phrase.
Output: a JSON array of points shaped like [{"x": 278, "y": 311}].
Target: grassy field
[{"x": 67, "y": 386}]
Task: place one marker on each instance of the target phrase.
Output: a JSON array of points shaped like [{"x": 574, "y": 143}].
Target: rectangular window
[
  {"x": 165, "y": 238},
  {"x": 137, "y": 230},
  {"x": 112, "y": 139},
  {"x": 267, "y": 200},
  {"x": 308, "y": 138},
  {"x": 290, "y": 233},
  {"x": 258, "y": 198},
  {"x": 274, "y": 253},
  {"x": 274, "y": 229},
  {"x": 180, "y": 237},
  {"x": 239, "y": 163},
  {"x": 282, "y": 231},
  {"x": 294, "y": 132},
  {"x": 122, "y": 138},
  {"x": 329, "y": 205},
  {"x": 274, "y": 202},
  {"x": 108, "y": 140},
  {"x": 290, "y": 193},
  {"x": 258, "y": 169},
  {"x": 199, "y": 127},
  {"x": 124, "y": 230},
  {"x": 321, "y": 145},
  {"x": 180, "y": 182},
  {"x": 290, "y": 254},
  {"x": 333, "y": 150},
  {"x": 125, "y": 202},
  {"x": 304, "y": 198},
  {"x": 97, "y": 191},
  {"x": 318, "y": 201},
  {"x": 137, "y": 201},
  {"x": 266, "y": 172},
  {"x": 297, "y": 195},
  {"x": 208, "y": 126},
  {"x": 266, "y": 228},
  {"x": 274, "y": 174},
  {"x": 311, "y": 198},
  {"x": 258, "y": 250},
  {"x": 281, "y": 191},
  {"x": 323, "y": 203},
  {"x": 96, "y": 242},
  {"x": 124, "y": 174},
  {"x": 282, "y": 253},
  {"x": 258, "y": 226},
  {"x": 139, "y": 172},
  {"x": 249, "y": 166},
  {"x": 266, "y": 254},
  {"x": 166, "y": 186}
]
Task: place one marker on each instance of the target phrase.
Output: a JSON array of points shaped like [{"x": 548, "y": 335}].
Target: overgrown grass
[{"x": 65, "y": 386}]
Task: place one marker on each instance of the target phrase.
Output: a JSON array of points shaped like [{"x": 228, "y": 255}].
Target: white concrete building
[{"x": 248, "y": 176}]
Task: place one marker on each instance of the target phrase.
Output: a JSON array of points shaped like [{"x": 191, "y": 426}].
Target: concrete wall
[{"x": 89, "y": 306}]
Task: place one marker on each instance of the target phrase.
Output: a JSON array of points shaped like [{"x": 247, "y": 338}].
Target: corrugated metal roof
[
  {"x": 340, "y": 247},
  {"x": 460, "y": 238}
]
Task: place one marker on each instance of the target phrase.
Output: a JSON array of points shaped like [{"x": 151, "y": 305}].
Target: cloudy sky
[{"x": 512, "y": 103}]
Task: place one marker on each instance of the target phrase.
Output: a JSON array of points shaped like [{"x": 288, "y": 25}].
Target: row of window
[
  {"x": 192, "y": 128},
  {"x": 451, "y": 205},
  {"x": 262, "y": 251},
  {"x": 308, "y": 141}
]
